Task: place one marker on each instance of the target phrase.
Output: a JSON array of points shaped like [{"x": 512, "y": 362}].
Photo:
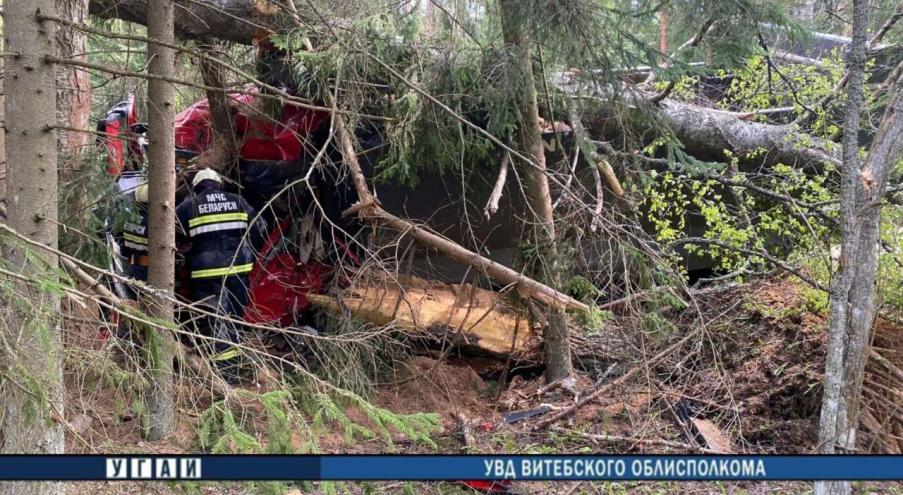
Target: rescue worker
[
  {"x": 133, "y": 242},
  {"x": 220, "y": 229}
]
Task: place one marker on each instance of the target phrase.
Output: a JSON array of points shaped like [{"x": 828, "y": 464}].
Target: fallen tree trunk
[
  {"x": 793, "y": 58},
  {"x": 464, "y": 316},
  {"x": 707, "y": 133},
  {"x": 241, "y": 21},
  {"x": 461, "y": 315},
  {"x": 710, "y": 131},
  {"x": 702, "y": 130}
]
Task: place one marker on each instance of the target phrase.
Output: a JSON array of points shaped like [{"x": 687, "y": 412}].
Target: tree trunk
[
  {"x": 663, "y": 35},
  {"x": 73, "y": 111},
  {"x": 708, "y": 132},
  {"x": 703, "y": 130},
  {"x": 834, "y": 429},
  {"x": 32, "y": 349},
  {"x": 852, "y": 299},
  {"x": 529, "y": 143},
  {"x": 224, "y": 148},
  {"x": 241, "y": 21},
  {"x": 161, "y": 216},
  {"x": 473, "y": 320},
  {"x": 73, "y": 86},
  {"x": 459, "y": 315},
  {"x": 2, "y": 119}
]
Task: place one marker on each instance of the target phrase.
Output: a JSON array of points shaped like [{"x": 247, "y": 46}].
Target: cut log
[
  {"x": 473, "y": 319},
  {"x": 460, "y": 314},
  {"x": 714, "y": 438}
]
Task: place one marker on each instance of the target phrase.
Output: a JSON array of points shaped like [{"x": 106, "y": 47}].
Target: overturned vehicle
[{"x": 316, "y": 254}]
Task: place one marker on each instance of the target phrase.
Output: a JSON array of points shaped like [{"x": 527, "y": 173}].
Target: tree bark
[
  {"x": 834, "y": 429},
  {"x": 709, "y": 132},
  {"x": 529, "y": 143},
  {"x": 704, "y": 130},
  {"x": 161, "y": 217},
  {"x": 32, "y": 361},
  {"x": 663, "y": 35},
  {"x": 2, "y": 118},
  {"x": 241, "y": 21},
  {"x": 224, "y": 146},
  {"x": 73, "y": 87},
  {"x": 852, "y": 298},
  {"x": 73, "y": 111}
]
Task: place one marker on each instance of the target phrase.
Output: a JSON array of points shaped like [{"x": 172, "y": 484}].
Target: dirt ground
[{"x": 751, "y": 374}]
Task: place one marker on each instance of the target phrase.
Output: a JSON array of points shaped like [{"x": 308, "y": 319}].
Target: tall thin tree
[
  {"x": 223, "y": 152},
  {"x": 73, "y": 109},
  {"x": 529, "y": 142},
  {"x": 852, "y": 298},
  {"x": 161, "y": 216},
  {"x": 32, "y": 361},
  {"x": 73, "y": 84},
  {"x": 2, "y": 122}
]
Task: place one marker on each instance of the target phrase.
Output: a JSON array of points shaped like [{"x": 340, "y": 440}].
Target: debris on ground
[{"x": 734, "y": 387}]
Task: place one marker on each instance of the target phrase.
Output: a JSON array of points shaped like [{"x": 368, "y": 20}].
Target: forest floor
[{"x": 748, "y": 381}]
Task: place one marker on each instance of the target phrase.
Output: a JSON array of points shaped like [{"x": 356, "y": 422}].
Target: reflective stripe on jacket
[
  {"x": 217, "y": 224},
  {"x": 134, "y": 242},
  {"x": 133, "y": 239},
  {"x": 222, "y": 272}
]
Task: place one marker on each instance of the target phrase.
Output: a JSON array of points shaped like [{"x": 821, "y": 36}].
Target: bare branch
[{"x": 492, "y": 205}]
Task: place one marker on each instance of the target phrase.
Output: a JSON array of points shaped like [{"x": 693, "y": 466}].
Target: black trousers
[
  {"x": 136, "y": 272},
  {"x": 227, "y": 297}
]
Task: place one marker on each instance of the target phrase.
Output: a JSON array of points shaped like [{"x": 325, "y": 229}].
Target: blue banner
[{"x": 454, "y": 467}]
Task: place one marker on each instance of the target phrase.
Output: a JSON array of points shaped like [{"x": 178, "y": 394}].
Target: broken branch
[
  {"x": 609, "y": 173},
  {"x": 608, "y": 386},
  {"x": 536, "y": 290},
  {"x": 635, "y": 440},
  {"x": 492, "y": 205},
  {"x": 376, "y": 214}
]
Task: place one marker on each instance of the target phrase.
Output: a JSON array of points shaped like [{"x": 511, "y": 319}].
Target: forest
[{"x": 451, "y": 227}]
